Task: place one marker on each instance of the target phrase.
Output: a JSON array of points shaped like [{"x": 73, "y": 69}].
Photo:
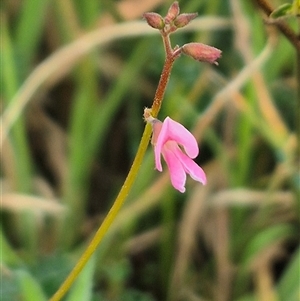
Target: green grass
[{"x": 237, "y": 238}]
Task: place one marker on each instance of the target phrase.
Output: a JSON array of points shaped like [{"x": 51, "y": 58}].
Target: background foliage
[{"x": 77, "y": 75}]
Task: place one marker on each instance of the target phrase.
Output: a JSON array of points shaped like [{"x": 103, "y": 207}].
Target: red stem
[{"x": 165, "y": 75}]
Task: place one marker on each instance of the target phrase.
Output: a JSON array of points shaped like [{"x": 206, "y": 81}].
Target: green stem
[
  {"x": 109, "y": 218},
  {"x": 159, "y": 94}
]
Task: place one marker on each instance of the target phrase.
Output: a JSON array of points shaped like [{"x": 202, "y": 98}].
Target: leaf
[
  {"x": 82, "y": 288},
  {"x": 284, "y": 10},
  {"x": 288, "y": 286},
  {"x": 9, "y": 289},
  {"x": 8, "y": 255},
  {"x": 29, "y": 29},
  {"x": 265, "y": 239},
  {"x": 30, "y": 288}
]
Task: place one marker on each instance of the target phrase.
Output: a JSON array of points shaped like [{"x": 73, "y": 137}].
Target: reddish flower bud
[
  {"x": 172, "y": 12},
  {"x": 184, "y": 19},
  {"x": 202, "y": 52},
  {"x": 154, "y": 20}
]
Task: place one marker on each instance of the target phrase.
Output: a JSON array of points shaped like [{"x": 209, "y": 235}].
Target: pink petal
[
  {"x": 157, "y": 152},
  {"x": 177, "y": 172},
  {"x": 156, "y": 129},
  {"x": 193, "y": 169},
  {"x": 172, "y": 130}
]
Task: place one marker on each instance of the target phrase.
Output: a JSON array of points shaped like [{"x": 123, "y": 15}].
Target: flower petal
[
  {"x": 192, "y": 168},
  {"x": 157, "y": 152},
  {"x": 156, "y": 129},
  {"x": 172, "y": 130},
  {"x": 177, "y": 172}
]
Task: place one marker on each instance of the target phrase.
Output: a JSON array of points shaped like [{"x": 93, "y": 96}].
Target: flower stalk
[
  {"x": 110, "y": 217},
  {"x": 166, "y": 26},
  {"x": 133, "y": 172}
]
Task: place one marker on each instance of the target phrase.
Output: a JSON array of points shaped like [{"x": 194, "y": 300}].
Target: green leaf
[
  {"x": 8, "y": 255},
  {"x": 30, "y": 288},
  {"x": 82, "y": 288},
  {"x": 247, "y": 298},
  {"x": 265, "y": 239},
  {"x": 29, "y": 29},
  {"x": 9, "y": 289},
  {"x": 9, "y": 83},
  {"x": 52, "y": 270},
  {"x": 283, "y": 10},
  {"x": 288, "y": 286}
]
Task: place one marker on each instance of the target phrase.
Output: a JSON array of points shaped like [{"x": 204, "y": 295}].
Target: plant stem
[
  {"x": 108, "y": 219},
  {"x": 102, "y": 230},
  {"x": 294, "y": 39},
  {"x": 164, "y": 78},
  {"x": 281, "y": 25}
]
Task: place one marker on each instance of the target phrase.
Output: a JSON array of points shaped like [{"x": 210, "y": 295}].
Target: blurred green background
[{"x": 75, "y": 78}]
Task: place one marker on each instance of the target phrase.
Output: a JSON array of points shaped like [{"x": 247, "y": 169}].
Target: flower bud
[
  {"x": 184, "y": 19},
  {"x": 154, "y": 20},
  {"x": 172, "y": 12},
  {"x": 202, "y": 52}
]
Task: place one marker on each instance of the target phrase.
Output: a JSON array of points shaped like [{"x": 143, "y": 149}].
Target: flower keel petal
[{"x": 192, "y": 168}]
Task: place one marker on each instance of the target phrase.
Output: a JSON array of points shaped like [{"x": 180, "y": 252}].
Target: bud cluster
[{"x": 172, "y": 21}]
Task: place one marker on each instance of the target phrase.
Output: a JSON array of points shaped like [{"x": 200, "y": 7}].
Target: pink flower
[{"x": 167, "y": 136}]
